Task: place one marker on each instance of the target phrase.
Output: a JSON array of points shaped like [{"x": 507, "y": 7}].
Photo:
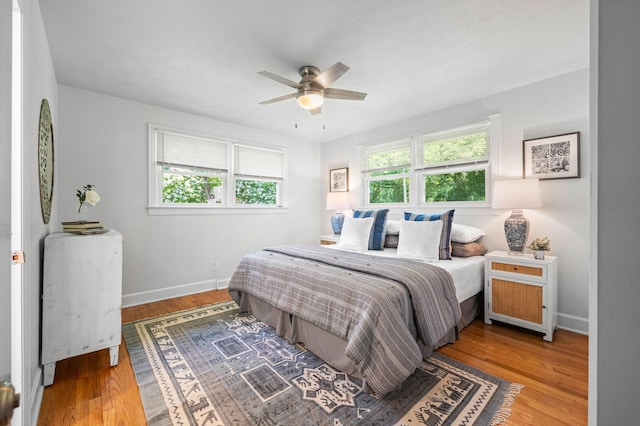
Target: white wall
[
  {"x": 103, "y": 141},
  {"x": 554, "y": 106},
  {"x": 39, "y": 82}
]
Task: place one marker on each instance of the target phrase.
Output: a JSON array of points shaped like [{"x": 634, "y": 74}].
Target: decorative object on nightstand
[
  {"x": 521, "y": 291},
  {"x": 516, "y": 194},
  {"x": 86, "y": 196},
  {"x": 337, "y": 201},
  {"x": 539, "y": 246}
]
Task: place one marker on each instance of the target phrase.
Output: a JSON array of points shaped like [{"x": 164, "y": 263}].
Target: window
[
  {"x": 451, "y": 167},
  {"x": 387, "y": 170},
  {"x": 188, "y": 170}
]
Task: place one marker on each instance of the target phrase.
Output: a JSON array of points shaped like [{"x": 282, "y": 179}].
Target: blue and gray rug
[{"x": 215, "y": 366}]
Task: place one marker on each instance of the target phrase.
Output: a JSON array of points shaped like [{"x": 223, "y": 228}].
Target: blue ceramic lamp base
[
  {"x": 516, "y": 230},
  {"x": 337, "y": 220}
]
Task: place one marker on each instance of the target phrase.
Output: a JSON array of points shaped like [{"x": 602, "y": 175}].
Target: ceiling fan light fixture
[{"x": 310, "y": 99}]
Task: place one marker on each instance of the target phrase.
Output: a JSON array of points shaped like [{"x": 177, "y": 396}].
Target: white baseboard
[
  {"x": 133, "y": 299},
  {"x": 573, "y": 323}
]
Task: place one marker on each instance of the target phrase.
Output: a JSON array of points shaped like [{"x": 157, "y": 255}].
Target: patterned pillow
[
  {"x": 445, "y": 236},
  {"x": 376, "y": 239}
]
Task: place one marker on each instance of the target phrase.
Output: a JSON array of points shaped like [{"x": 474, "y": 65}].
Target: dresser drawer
[{"x": 532, "y": 271}]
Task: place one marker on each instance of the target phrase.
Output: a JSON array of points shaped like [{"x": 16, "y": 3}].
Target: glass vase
[{"x": 81, "y": 214}]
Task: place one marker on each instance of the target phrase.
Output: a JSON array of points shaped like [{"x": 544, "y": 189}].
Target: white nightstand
[
  {"x": 329, "y": 239},
  {"x": 522, "y": 291}
]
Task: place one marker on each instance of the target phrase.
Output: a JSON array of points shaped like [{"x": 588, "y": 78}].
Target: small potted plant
[{"x": 539, "y": 247}]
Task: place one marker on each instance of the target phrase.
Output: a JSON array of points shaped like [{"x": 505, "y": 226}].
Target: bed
[{"x": 372, "y": 315}]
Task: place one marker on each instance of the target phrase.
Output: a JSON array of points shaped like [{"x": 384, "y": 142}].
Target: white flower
[{"x": 92, "y": 197}]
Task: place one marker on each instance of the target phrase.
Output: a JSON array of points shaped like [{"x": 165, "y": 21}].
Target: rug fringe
[{"x": 502, "y": 415}]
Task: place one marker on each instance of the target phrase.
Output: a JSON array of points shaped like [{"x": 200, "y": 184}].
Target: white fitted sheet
[{"x": 467, "y": 272}]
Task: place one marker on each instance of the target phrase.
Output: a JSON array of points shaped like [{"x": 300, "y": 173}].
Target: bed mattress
[{"x": 467, "y": 272}]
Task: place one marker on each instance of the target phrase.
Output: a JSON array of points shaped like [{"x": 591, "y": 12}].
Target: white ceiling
[{"x": 410, "y": 56}]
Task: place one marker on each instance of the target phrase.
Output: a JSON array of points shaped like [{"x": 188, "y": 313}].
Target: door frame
[{"x": 17, "y": 203}]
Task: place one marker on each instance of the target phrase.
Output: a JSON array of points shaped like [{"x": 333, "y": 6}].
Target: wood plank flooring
[{"x": 87, "y": 391}]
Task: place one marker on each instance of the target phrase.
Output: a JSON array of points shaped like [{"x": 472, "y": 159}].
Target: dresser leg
[
  {"x": 113, "y": 355},
  {"x": 49, "y": 373}
]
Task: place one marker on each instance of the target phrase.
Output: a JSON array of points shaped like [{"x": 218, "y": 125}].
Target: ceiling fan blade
[
  {"x": 315, "y": 111},
  {"x": 331, "y": 74},
  {"x": 278, "y": 99},
  {"x": 279, "y": 79},
  {"x": 344, "y": 94}
]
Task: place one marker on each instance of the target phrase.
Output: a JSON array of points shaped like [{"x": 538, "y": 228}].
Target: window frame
[
  {"x": 366, "y": 172},
  {"x": 418, "y": 171},
  {"x": 229, "y": 206}
]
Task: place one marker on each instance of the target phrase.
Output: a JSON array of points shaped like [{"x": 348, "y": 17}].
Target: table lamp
[
  {"x": 337, "y": 201},
  {"x": 516, "y": 194}
]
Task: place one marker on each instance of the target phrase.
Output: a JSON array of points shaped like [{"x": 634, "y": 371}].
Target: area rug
[{"x": 215, "y": 366}]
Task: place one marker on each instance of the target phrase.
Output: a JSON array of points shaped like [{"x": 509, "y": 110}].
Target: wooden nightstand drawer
[
  {"x": 517, "y": 269},
  {"x": 327, "y": 240}
]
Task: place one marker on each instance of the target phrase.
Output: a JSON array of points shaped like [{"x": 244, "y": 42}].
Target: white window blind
[
  {"x": 258, "y": 162},
  {"x": 389, "y": 156},
  {"x": 469, "y": 145},
  {"x": 192, "y": 152}
]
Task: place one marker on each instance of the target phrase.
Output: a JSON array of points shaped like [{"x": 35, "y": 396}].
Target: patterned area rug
[{"x": 215, "y": 366}]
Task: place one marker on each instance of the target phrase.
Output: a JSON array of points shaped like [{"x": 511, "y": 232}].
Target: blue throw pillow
[
  {"x": 445, "y": 236},
  {"x": 376, "y": 238}
]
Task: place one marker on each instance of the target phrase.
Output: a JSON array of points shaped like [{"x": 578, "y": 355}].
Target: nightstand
[
  {"x": 522, "y": 291},
  {"x": 327, "y": 240}
]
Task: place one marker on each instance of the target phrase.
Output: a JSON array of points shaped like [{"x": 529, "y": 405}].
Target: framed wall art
[
  {"x": 552, "y": 157},
  {"x": 339, "y": 180}
]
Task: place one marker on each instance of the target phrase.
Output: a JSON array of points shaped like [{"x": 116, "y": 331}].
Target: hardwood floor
[{"x": 87, "y": 391}]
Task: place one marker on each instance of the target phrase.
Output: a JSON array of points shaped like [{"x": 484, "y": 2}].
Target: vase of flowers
[
  {"x": 86, "y": 196},
  {"x": 540, "y": 246}
]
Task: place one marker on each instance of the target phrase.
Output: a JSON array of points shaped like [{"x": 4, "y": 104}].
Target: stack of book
[{"x": 84, "y": 227}]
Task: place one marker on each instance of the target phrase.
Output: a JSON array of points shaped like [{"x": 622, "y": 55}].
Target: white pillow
[
  {"x": 465, "y": 233},
  {"x": 355, "y": 233},
  {"x": 393, "y": 227},
  {"x": 420, "y": 240}
]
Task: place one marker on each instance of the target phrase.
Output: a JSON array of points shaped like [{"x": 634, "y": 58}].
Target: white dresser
[{"x": 82, "y": 297}]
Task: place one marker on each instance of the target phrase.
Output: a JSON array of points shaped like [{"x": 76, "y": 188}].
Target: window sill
[{"x": 204, "y": 210}]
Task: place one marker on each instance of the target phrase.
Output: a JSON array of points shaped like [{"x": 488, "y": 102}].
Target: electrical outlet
[{"x": 214, "y": 266}]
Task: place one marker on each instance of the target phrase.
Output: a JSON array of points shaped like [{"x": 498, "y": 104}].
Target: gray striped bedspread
[{"x": 383, "y": 307}]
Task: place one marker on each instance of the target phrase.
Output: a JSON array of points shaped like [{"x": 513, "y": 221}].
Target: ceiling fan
[{"x": 313, "y": 87}]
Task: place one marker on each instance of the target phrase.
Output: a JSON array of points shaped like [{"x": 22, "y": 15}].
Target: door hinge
[{"x": 17, "y": 257}]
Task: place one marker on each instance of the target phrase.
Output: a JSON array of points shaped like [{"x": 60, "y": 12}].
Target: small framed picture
[
  {"x": 552, "y": 157},
  {"x": 339, "y": 180}
]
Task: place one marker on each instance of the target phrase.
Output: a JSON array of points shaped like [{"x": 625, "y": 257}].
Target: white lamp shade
[
  {"x": 337, "y": 200},
  {"x": 516, "y": 194}
]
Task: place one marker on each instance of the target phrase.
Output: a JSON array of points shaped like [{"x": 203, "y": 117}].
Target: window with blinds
[
  {"x": 193, "y": 170},
  {"x": 453, "y": 165},
  {"x": 449, "y": 167},
  {"x": 387, "y": 169}
]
